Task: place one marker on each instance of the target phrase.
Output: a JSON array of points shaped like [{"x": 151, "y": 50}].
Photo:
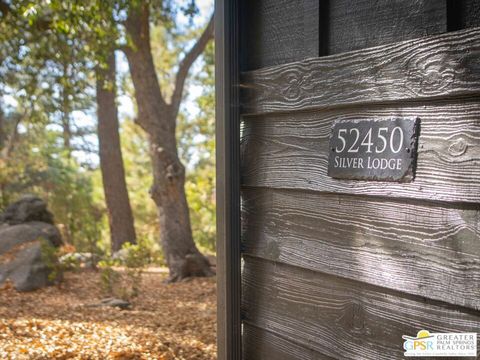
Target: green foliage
[
  {"x": 110, "y": 278},
  {"x": 40, "y": 166},
  {"x": 197, "y": 144},
  {"x": 49, "y": 51},
  {"x": 49, "y": 254},
  {"x": 46, "y": 63},
  {"x": 70, "y": 262},
  {"x": 139, "y": 179},
  {"x": 200, "y": 190},
  {"x": 136, "y": 256},
  {"x": 121, "y": 276},
  {"x": 195, "y": 139}
]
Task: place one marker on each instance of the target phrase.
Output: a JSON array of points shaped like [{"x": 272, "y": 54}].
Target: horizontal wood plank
[
  {"x": 291, "y": 150},
  {"x": 430, "y": 251},
  {"x": 432, "y": 67},
  {"x": 365, "y": 23},
  {"x": 260, "y": 344},
  {"x": 279, "y": 31},
  {"x": 339, "y": 318}
]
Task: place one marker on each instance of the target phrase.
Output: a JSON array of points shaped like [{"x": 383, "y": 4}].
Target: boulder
[
  {"x": 21, "y": 258},
  {"x": 26, "y": 230},
  {"x": 28, "y": 208}
]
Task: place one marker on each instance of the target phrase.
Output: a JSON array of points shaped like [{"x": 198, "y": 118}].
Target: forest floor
[{"x": 165, "y": 322}]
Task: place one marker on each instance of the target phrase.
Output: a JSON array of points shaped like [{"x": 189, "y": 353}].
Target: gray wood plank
[
  {"x": 260, "y": 344},
  {"x": 291, "y": 150},
  {"x": 470, "y": 13},
  {"x": 340, "y": 318},
  {"x": 432, "y": 67},
  {"x": 279, "y": 31},
  {"x": 364, "y": 23},
  {"x": 426, "y": 250}
]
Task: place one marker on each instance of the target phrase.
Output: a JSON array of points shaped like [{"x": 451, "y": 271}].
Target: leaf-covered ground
[{"x": 167, "y": 321}]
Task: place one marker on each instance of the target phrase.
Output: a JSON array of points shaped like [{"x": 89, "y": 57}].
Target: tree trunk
[
  {"x": 168, "y": 193},
  {"x": 158, "y": 119},
  {"x": 66, "y": 112},
  {"x": 8, "y": 143},
  {"x": 2, "y": 129},
  {"x": 120, "y": 216}
]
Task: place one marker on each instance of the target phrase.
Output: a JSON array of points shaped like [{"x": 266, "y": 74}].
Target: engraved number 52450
[{"x": 350, "y": 138}]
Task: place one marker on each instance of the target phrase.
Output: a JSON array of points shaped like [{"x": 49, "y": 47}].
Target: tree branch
[
  {"x": 4, "y": 8},
  {"x": 187, "y": 62},
  {"x": 142, "y": 68}
]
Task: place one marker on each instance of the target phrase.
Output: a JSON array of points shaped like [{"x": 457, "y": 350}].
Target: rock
[
  {"x": 26, "y": 227},
  {"x": 212, "y": 259},
  {"x": 21, "y": 259},
  {"x": 120, "y": 255},
  {"x": 11, "y": 236},
  {"x": 81, "y": 259},
  {"x": 112, "y": 302},
  {"x": 28, "y": 208}
]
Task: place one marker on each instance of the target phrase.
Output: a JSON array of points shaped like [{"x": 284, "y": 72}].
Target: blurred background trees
[{"x": 53, "y": 62}]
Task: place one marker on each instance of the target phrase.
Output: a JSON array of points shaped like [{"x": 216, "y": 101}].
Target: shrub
[
  {"x": 121, "y": 276},
  {"x": 50, "y": 255}
]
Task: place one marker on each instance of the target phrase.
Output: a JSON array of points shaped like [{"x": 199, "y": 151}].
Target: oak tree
[{"x": 157, "y": 116}]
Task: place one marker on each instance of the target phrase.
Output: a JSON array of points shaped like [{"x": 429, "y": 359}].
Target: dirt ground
[{"x": 167, "y": 321}]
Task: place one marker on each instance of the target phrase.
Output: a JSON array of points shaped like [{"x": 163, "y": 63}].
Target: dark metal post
[{"x": 228, "y": 183}]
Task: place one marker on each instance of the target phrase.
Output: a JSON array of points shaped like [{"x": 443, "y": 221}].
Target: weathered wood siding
[
  {"x": 422, "y": 69},
  {"x": 341, "y": 269},
  {"x": 279, "y": 31},
  {"x": 361, "y": 24},
  {"x": 340, "y": 318}
]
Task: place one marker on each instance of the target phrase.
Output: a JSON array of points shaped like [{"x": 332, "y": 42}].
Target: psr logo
[{"x": 440, "y": 344}]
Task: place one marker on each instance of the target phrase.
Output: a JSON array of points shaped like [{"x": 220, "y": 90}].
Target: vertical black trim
[
  {"x": 462, "y": 14},
  {"x": 323, "y": 27},
  {"x": 454, "y": 15},
  {"x": 228, "y": 184}
]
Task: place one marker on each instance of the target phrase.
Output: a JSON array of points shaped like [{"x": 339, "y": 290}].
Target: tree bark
[
  {"x": 158, "y": 119},
  {"x": 9, "y": 142},
  {"x": 66, "y": 112},
  {"x": 122, "y": 229},
  {"x": 2, "y": 129}
]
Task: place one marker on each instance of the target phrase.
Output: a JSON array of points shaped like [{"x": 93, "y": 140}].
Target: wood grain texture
[
  {"x": 279, "y": 31},
  {"x": 364, "y": 23},
  {"x": 260, "y": 344},
  {"x": 470, "y": 13},
  {"x": 339, "y": 318},
  {"x": 426, "y": 250},
  {"x": 291, "y": 151},
  {"x": 433, "y": 67}
]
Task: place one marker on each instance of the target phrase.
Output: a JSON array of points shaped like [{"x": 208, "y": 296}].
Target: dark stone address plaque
[{"x": 383, "y": 150}]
